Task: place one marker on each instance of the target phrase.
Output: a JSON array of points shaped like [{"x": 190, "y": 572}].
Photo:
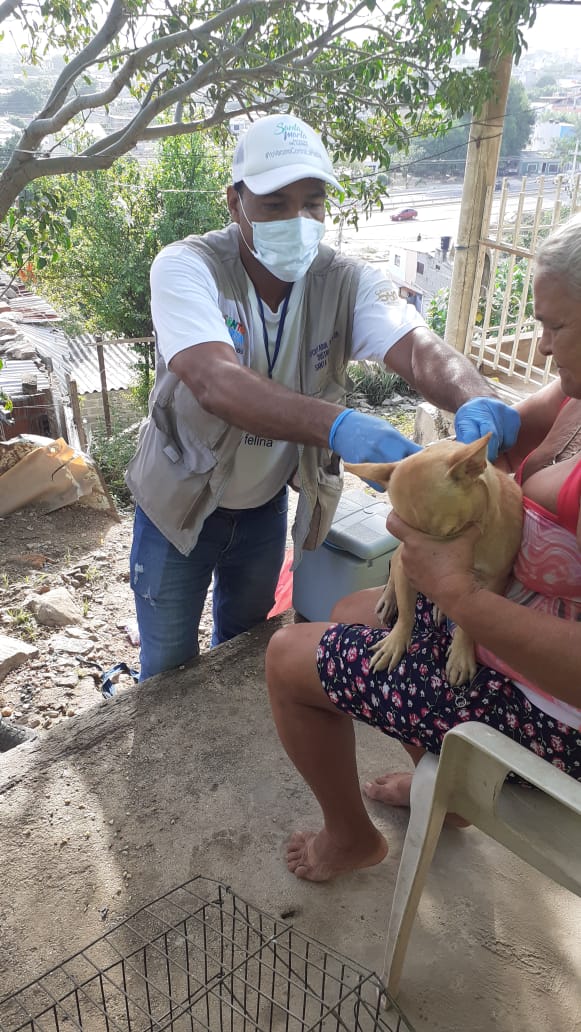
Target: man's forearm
[
  {"x": 247, "y": 400},
  {"x": 438, "y": 372}
]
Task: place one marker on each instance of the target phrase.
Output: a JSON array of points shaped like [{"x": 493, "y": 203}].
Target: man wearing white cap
[{"x": 255, "y": 325}]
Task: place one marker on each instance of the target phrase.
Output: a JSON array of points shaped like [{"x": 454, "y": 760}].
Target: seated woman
[{"x": 528, "y": 683}]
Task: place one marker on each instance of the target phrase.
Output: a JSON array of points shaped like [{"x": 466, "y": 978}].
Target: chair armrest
[{"x": 522, "y": 761}]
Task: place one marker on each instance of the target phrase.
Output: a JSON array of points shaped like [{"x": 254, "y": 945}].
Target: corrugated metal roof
[
  {"x": 120, "y": 364},
  {"x": 49, "y": 341},
  {"x": 13, "y": 371},
  {"x": 75, "y": 356},
  {"x": 30, "y": 308},
  {"x": 22, "y": 304}
]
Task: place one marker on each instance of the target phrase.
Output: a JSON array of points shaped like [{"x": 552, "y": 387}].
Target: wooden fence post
[
  {"x": 76, "y": 407},
  {"x": 104, "y": 392}
]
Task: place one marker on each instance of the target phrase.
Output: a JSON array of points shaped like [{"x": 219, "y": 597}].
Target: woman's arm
[{"x": 545, "y": 649}]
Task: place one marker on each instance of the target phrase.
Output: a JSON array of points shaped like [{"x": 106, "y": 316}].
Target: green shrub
[
  {"x": 112, "y": 455},
  {"x": 374, "y": 383},
  {"x": 438, "y": 310}
]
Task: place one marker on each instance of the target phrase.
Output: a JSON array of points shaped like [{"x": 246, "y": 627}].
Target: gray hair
[{"x": 560, "y": 255}]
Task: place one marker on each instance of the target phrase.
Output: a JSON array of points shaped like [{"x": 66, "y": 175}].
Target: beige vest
[{"x": 185, "y": 454}]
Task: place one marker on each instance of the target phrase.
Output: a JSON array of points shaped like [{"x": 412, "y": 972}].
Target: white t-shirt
[{"x": 185, "y": 311}]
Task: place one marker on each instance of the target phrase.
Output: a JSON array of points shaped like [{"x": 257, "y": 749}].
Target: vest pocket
[
  {"x": 329, "y": 487},
  {"x": 188, "y": 451},
  {"x": 161, "y": 482}
]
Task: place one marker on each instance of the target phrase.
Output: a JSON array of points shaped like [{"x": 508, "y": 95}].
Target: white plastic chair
[{"x": 543, "y": 828}]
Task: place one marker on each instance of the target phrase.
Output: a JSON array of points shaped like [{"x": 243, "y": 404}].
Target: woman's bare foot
[
  {"x": 391, "y": 789},
  {"x": 315, "y": 857},
  {"x": 395, "y": 789}
]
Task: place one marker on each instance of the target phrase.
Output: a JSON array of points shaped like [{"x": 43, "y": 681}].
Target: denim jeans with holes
[{"x": 242, "y": 548}]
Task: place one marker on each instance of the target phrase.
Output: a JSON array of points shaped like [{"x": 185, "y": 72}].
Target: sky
[{"x": 557, "y": 28}]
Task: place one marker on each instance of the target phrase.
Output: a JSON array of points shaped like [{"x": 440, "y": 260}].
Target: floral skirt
[{"x": 416, "y": 704}]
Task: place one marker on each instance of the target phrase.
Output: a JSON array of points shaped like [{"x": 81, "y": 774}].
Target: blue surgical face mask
[{"x": 286, "y": 247}]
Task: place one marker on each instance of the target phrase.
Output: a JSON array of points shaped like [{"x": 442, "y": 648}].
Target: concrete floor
[{"x": 185, "y": 776}]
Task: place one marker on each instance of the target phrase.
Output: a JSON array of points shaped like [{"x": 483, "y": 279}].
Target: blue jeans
[{"x": 243, "y": 548}]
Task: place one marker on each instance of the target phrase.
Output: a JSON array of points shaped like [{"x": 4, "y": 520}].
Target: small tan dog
[{"x": 440, "y": 491}]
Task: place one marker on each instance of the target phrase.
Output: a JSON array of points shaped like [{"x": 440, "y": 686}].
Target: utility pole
[
  {"x": 480, "y": 175},
  {"x": 575, "y": 156}
]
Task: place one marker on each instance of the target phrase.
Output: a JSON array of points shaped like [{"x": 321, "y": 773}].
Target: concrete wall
[{"x": 124, "y": 410}]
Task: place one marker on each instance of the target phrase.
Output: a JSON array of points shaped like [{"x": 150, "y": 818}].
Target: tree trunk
[{"x": 13, "y": 179}]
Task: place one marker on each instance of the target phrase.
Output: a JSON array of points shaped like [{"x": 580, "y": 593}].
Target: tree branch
[
  {"x": 51, "y": 120},
  {"x": 8, "y": 7},
  {"x": 114, "y": 22}
]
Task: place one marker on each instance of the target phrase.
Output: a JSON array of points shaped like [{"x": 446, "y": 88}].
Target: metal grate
[{"x": 200, "y": 958}]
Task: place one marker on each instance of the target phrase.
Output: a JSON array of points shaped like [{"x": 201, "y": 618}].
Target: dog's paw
[
  {"x": 461, "y": 664},
  {"x": 388, "y": 651}
]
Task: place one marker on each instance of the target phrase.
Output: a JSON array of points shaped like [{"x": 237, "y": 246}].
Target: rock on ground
[{"x": 55, "y": 608}]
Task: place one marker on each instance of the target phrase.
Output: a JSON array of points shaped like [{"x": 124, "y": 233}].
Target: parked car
[{"x": 405, "y": 215}]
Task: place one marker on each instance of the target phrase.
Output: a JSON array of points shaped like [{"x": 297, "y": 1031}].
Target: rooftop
[{"x": 39, "y": 323}]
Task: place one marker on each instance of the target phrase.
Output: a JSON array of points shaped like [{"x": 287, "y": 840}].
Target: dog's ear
[
  {"x": 469, "y": 462},
  {"x": 378, "y": 472}
]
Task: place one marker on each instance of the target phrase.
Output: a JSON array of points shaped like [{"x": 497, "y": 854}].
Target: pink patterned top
[{"x": 547, "y": 577}]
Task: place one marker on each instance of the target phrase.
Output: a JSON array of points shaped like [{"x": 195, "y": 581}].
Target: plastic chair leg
[
  {"x": 469, "y": 780},
  {"x": 426, "y": 820}
]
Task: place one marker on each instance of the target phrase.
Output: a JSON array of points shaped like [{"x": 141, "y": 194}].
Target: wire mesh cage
[{"x": 201, "y": 958}]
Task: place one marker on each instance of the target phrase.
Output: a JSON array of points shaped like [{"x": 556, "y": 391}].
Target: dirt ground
[{"x": 88, "y": 553}]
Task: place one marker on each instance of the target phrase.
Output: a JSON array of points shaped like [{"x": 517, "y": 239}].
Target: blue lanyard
[{"x": 279, "y": 333}]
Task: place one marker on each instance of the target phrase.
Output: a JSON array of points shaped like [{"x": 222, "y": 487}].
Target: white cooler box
[{"x": 355, "y": 554}]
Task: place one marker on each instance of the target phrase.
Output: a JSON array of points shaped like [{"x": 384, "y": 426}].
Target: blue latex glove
[
  {"x": 357, "y": 437},
  {"x": 481, "y": 416}
]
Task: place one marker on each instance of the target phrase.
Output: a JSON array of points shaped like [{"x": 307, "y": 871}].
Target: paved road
[{"x": 438, "y": 215}]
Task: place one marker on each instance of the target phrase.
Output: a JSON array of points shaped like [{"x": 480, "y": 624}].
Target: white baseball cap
[{"x": 278, "y": 150}]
